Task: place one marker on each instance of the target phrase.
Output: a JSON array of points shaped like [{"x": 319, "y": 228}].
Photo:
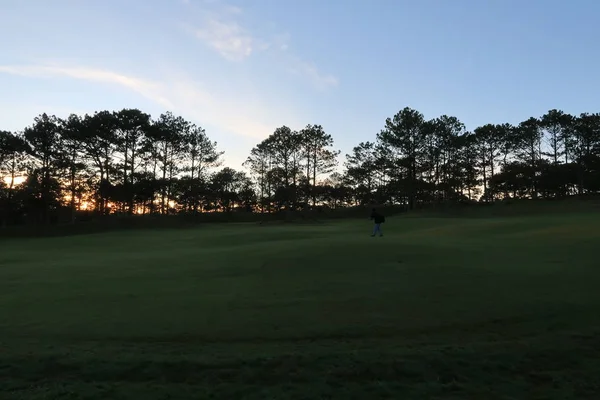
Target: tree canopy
[{"x": 127, "y": 162}]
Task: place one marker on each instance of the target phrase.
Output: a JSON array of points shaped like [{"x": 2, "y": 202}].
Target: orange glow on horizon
[{"x": 17, "y": 181}]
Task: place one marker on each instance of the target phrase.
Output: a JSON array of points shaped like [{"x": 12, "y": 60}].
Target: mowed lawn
[{"x": 439, "y": 308}]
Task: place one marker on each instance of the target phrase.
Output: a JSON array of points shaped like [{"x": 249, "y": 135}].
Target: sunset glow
[{"x": 17, "y": 181}]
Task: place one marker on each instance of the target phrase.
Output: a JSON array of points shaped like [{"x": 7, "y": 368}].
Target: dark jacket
[{"x": 377, "y": 218}]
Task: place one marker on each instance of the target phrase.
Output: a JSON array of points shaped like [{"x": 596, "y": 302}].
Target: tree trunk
[
  {"x": 131, "y": 183},
  {"x": 314, "y": 178}
]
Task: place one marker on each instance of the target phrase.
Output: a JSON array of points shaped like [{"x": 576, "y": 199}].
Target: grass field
[{"x": 439, "y": 308}]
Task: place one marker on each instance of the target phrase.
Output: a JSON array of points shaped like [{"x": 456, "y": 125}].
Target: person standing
[{"x": 378, "y": 219}]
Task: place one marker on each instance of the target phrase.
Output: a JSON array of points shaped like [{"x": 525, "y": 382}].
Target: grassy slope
[{"x": 439, "y": 308}]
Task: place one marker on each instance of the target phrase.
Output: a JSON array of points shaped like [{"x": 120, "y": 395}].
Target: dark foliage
[{"x": 127, "y": 163}]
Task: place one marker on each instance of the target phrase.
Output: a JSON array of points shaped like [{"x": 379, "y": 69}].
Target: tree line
[
  {"x": 126, "y": 162},
  {"x": 418, "y": 161}
]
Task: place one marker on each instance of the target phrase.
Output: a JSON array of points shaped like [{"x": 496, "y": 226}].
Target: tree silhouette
[
  {"x": 200, "y": 154},
  {"x": 48, "y": 153},
  {"x": 319, "y": 158},
  {"x": 259, "y": 165},
  {"x": 14, "y": 150},
  {"x": 126, "y": 162},
  {"x": 406, "y": 136}
]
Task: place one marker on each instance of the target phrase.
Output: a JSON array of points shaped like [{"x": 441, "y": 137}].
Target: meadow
[{"x": 439, "y": 308}]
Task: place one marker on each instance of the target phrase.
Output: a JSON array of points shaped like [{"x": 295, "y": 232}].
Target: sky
[{"x": 242, "y": 68}]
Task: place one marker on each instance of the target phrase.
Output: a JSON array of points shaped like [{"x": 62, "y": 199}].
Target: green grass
[{"x": 440, "y": 308}]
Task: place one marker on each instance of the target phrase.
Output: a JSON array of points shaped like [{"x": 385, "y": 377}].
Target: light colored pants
[{"x": 377, "y": 230}]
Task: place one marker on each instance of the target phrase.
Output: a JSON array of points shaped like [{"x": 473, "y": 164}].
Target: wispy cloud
[
  {"x": 145, "y": 88},
  {"x": 310, "y": 71},
  {"x": 178, "y": 94},
  {"x": 222, "y": 30},
  {"x": 226, "y": 38}
]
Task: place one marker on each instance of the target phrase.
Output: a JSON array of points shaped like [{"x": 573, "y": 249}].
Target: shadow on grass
[{"x": 495, "y": 370}]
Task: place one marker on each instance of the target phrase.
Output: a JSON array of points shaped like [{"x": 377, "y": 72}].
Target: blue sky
[{"x": 241, "y": 68}]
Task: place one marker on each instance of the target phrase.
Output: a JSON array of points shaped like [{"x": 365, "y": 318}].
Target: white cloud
[
  {"x": 310, "y": 71},
  {"x": 222, "y": 30},
  {"x": 180, "y": 95},
  {"x": 227, "y": 38},
  {"x": 145, "y": 88}
]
